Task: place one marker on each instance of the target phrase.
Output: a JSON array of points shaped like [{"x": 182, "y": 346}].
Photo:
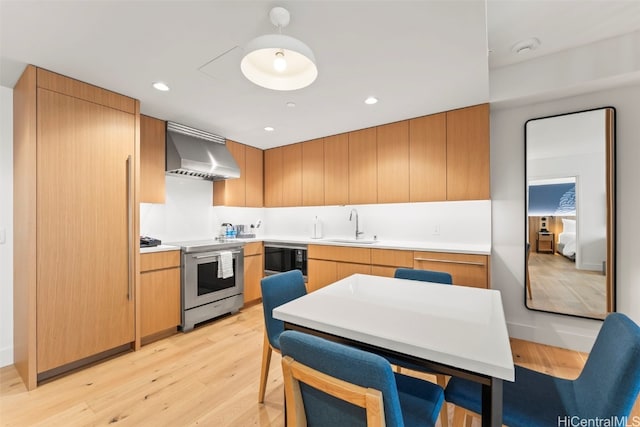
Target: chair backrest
[
  {"x": 277, "y": 290},
  {"x": 348, "y": 372},
  {"x": 610, "y": 381},
  {"x": 424, "y": 275}
]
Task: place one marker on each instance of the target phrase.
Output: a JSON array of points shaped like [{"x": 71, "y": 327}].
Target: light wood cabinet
[
  {"x": 336, "y": 169},
  {"x": 393, "y": 162},
  {"x": 76, "y": 182},
  {"x": 428, "y": 158},
  {"x": 327, "y": 263},
  {"x": 292, "y": 175},
  {"x": 159, "y": 293},
  {"x": 152, "y": 159},
  {"x": 247, "y": 189},
  {"x": 273, "y": 177},
  {"x": 253, "y": 271},
  {"x": 254, "y": 172},
  {"x": 313, "y": 173},
  {"x": 466, "y": 269},
  {"x": 363, "y": 175},
  {"x": 468, "y": 153},
  {"x": 386, "y": 261}
]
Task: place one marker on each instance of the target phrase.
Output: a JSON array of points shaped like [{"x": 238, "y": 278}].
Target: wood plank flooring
[
  {"x": 556, "y": 285},
  {"x": 208, "y": 377}
]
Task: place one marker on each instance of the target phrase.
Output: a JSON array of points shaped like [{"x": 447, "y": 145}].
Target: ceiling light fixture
[
  {"x": 161, "y": 86},
  {"x": 269, "y": 129},
  {"x": 279, "y": 62},
  {"x": 371, "y": 100}
]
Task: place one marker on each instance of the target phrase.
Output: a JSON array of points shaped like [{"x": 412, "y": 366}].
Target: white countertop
[
  {"x": 159, "y": 248},
  {"x": 458, "y": 326},
  {"x": 466, "y": 248}
]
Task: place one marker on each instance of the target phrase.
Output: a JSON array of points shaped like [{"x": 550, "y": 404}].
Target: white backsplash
[{"x": 188, "y": 215}]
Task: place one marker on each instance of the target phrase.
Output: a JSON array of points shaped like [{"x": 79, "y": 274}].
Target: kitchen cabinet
[
  {"x": 336, "y": 169},
  {"x": 292, "y": 175},
  {"x": 152, "y": 159},
  {"x": 159, "y": 294},
  {"x": 466, "y": 269},
  {"x": 247, "y": 189},
  {"x": 468, "y": 153},
  {"x": 254, "y": 168},
  {"x": 76, "y": 181},
  {"x": 273, "y": 177},
  {"x": 327, "y": 263},
  {"x": 393, "y": 162},
  {"x": 384, "y": 262},
  {"x": 253, "y": 271},
  {"x": 313, "y": 173},
  {"x": 428, "y": 158},
  {"x": 363, "y": 176}
]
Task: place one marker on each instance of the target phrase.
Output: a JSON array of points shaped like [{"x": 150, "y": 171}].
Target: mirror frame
[{"x": 610, "y": 185}]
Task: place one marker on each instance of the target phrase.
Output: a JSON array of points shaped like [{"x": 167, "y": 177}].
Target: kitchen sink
[{"x": 352, "y": 241}]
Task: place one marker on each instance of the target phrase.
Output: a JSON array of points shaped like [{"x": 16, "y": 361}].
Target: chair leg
[
  {"x": 264, "y": 372},
  {"x": 444, "y": 415},
  {"x": 459, "y": 415}
]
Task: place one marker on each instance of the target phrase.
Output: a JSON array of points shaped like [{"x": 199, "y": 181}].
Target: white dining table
[{"x": 454, "y": 330}]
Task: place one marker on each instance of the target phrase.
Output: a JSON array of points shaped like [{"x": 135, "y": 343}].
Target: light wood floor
[
  {"x": 208, "y": 377},
  {"x": 556, "y": 285}
]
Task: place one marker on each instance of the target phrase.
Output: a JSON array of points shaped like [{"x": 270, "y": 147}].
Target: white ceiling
[{"x": 417, "y": 57}]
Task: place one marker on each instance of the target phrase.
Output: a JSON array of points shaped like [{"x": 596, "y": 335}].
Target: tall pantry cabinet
[{"x": 76, "y": 223}]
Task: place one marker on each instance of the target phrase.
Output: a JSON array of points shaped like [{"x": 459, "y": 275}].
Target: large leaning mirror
[{"x": 570, "y": 213}]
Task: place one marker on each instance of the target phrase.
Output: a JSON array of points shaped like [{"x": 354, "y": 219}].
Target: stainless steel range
[{"x": 206, "y": 292}]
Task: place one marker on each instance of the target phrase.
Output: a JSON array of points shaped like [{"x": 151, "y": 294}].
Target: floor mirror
[{"x": 570, "y": 213}]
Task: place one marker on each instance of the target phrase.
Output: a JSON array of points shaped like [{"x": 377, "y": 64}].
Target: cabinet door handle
[
  {"x": 130, "y": 225},
  {"x": 449, "y": 261}
]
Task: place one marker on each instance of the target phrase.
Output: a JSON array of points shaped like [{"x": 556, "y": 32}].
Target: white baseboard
[
  {"x": 557, "y": 338},
  {"x": 6, "y": 356}
]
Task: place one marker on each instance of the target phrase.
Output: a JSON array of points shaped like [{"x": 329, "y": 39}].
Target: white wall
[
  {"x": 507, "y": 193},
  {"x": 6, "y": 226}
]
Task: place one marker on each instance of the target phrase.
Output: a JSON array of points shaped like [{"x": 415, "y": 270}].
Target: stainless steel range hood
[{"x": 193, "y": 153}]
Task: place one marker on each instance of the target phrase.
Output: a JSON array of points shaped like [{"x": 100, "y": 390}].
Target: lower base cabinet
[
  {"x": 466, "y": 269},
  {"x": 253, "y": 271},
  {"x": 159, "y": 293}
]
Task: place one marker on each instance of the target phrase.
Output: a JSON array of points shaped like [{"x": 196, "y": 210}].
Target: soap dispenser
[{"x": 316, "y": 229}]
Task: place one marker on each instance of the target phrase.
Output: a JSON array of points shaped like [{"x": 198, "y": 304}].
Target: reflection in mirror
[{"x": 570, "y": 228}]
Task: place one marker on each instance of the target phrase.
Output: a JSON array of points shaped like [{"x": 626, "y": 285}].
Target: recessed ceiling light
[
  {"x": 161, "y": 86},
  {"x": 525, "y": 46},
  {"x": 371, "y": 100},
  {"x": 269, "y": 128},
  {"x": 291, "y": 104}
]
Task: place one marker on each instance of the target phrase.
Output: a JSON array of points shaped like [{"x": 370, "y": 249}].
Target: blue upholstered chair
[
  {"x": 276, "y": 290},
  {"x": 424, "y": 275},
  {"x": 607, "y": 386},
  {"x": 331, "y": 385}
]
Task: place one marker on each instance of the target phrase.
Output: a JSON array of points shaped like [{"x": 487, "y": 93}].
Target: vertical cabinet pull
[{"x": 130, "y": 225}]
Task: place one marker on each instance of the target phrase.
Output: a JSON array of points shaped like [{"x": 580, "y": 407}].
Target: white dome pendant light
[{"x": 279, "y": 62}]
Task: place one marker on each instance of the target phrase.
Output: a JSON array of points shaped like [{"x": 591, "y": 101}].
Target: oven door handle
[{"x": 212, "y": 255}]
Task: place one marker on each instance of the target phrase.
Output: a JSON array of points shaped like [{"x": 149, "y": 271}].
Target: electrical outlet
[{"x": 436, "y": 230}]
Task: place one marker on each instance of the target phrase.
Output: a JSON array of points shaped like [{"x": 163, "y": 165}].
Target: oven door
[
  {"x": 201, "y": 284},
  {"x": 282, "y": 257}
]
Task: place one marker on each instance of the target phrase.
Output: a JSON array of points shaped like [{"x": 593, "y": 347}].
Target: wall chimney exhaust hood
[{"x": 193, "y": 153}]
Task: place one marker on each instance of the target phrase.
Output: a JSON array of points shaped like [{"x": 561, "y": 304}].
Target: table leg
[{"x": 492, "y": 404}]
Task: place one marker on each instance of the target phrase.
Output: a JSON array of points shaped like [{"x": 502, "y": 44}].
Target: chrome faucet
[{"x": 358, "y": 232}]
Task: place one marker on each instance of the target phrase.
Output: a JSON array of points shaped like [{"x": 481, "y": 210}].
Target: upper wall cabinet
[
  {"x": 246, "y": 190},
  {"x": 152, "y": 160},
  {"x": 468, "y": 153},
  {"x": 393, "y": 162},
  {"x": 313, "y": 173},
  {"x": 439, "y": 157},
  {"x": 336, "y": 169},
  {"x": 363, "y": 176},
  {"x": 428, "y": 158}
]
